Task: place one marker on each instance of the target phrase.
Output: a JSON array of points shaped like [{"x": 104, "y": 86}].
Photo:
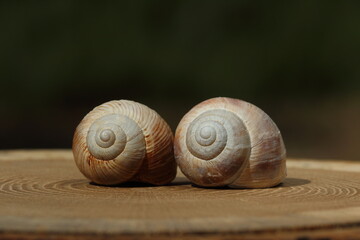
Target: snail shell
[
  {"x": 229, "y": 142},
  {"x": 123, "y": 140}
]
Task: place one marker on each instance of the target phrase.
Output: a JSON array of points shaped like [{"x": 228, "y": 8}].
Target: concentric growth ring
[
  {"x": 106, "y": 139},
  {"x": 206, "y": 138}
]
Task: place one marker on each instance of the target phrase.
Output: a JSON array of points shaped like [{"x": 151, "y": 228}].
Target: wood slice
[{"x": 42, "y": 195}]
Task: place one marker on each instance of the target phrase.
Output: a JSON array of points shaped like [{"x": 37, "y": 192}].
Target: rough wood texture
[{"x": 43, "y": 194}]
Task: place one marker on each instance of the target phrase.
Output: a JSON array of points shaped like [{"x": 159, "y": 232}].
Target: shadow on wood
[
  {"x": 288, "y": 182},
  {"x": 177, "y": 182}
]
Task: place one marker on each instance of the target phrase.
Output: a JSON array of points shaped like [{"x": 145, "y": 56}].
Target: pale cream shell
[
  {"x": 123, "y": 141},
  {"x": 261, "y": 162}
]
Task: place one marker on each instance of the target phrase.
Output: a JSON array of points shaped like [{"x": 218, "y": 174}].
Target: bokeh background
[{"x": 297, "y": 60}]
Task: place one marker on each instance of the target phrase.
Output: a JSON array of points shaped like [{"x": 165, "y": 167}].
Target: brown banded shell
[
  {"x": 230, "y": 142},
  {"x": 122, "y": 141}
]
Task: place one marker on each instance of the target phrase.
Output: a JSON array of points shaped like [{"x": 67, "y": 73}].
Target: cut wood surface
[{"x": 43, "y": 194}]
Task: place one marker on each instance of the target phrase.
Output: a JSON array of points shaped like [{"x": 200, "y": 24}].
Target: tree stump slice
[{"x": 43, "y": 195}]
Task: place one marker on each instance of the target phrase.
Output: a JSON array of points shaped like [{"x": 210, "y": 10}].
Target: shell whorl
[
  {"x": 212, "y": 131},
  {"x": 216, "y": 147},
  {"x": 229, "y": 142},
  {"x": 122, "y": 141},
  {"x": 109, "y": 135}
]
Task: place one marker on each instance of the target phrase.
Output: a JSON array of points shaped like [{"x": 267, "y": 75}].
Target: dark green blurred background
[{"x": 297, "y": 60}]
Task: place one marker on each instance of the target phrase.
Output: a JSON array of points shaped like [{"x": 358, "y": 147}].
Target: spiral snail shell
[
  {"x": 122, "y": 141},
  {"x": 229, "y": 142}
]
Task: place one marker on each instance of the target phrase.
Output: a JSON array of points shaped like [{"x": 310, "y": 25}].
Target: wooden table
[{"x": 43, "y": 195}]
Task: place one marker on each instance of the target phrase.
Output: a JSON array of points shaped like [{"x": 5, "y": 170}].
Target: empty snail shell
[
  {"x": 229, "y": 142},
  {"x": 122, "y": 141}
]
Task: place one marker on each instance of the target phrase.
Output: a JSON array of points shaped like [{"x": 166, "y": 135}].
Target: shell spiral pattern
[
  {"x": 123, "y": 141},
  {"x": 229, "y": 142}
]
